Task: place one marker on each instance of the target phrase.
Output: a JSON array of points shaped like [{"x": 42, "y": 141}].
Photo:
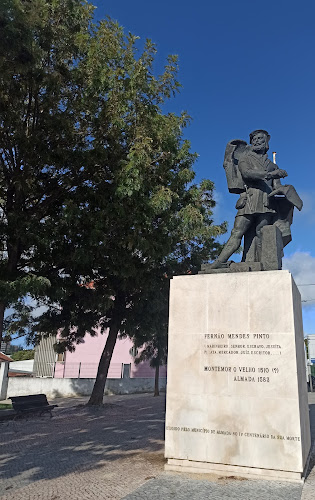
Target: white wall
[
  {"x": 22, "y": 366},
  {"x": 55, "y": 388}
]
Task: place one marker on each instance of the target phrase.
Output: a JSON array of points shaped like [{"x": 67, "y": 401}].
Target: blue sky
[{"x": 243, "y": 65}]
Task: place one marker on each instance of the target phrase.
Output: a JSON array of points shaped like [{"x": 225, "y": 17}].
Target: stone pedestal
[
  {"x": 236, "y": 390},
  {"x": 272, "y": 248}
]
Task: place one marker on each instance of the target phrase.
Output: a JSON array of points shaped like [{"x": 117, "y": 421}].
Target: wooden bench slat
[{"x": 35, "y": 408}]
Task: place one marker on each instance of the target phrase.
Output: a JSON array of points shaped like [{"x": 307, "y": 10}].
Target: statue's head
[{"x": 259, "y": 140}]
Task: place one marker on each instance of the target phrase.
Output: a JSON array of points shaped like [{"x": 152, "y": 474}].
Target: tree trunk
[
  {"x": 2, "y": 309},
  {"x": 156, "y": 380},
  {"x": 96, "y": 398},
  {"x": 97, "y": 395}
]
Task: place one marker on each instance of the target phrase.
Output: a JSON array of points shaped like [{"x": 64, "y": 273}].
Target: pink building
[{"x": 83, "y": 362}]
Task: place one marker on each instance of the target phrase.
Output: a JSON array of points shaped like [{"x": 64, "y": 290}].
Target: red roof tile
[{"x": 4, "y": 357}]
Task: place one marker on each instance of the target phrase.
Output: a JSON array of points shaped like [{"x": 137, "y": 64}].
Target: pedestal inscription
[{"x": 236, "y": 393}]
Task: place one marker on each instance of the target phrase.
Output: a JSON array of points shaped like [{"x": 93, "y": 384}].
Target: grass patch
[{"x": 5, "y": 407}]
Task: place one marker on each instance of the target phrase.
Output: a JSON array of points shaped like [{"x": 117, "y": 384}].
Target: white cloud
[{"x": 302, "y": 267}]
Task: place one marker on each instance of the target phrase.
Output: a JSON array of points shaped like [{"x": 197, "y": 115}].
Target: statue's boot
[{"x": 217, "y": 264}]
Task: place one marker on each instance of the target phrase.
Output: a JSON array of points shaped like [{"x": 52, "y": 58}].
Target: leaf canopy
[{"x": 96, "y": 179}]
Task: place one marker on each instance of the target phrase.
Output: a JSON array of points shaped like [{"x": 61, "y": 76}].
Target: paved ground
[
  {"x": 83, "y": 453},
  {"x": 183, "y": 488},
  {"x": 309, "y": 486},
  {"x": 113, "y": 453}
]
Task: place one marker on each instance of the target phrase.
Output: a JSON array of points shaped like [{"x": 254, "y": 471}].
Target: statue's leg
[
  {"x": 261, "y": 221},
  {"x": 241, "y": 225},
  {"x": 250, "y": 245}
]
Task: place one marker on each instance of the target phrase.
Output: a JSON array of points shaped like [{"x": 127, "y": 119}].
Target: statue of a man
[{"x": 263, "y": 200}]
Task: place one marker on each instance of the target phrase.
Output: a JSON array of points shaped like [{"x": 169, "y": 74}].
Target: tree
[
  {"x": 23, "y": 355},
  {"x": 140, "y": 215},
  {"x": 105, "y": 174},
  {"x": 151, "y": 326},
  {"x": 42, "y": 133}
]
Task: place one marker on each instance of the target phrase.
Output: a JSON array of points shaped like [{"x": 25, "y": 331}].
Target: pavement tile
[{"x": 113, "y": 452}]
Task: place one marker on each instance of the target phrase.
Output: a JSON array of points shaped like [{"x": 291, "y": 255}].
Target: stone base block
[
  {"x": 232, "y": 267},
  {"x": 236, "y": 389},
  {"x": 189, "y": 466},
  {"x": 272, "y": 248}
]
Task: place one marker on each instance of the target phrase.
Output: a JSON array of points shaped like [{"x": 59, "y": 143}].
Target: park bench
[{"x": 35, "y": 403}]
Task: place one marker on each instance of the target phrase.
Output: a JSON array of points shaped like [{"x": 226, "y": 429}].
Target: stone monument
[{"x": 236, "y": 391}]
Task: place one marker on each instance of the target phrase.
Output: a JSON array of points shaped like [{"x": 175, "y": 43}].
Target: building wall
[
  {"x": 83, "y": 362},
  {"x": 311, "y": 347},
  {"x": 91, "y": 349},
  {"x": 45, "y": 357},
  {"x": 55, "y": 388},
  {"x": 4, "y": 347},
  {"x": 89, "y": 352},
  {"x": 25, "y": 366}
]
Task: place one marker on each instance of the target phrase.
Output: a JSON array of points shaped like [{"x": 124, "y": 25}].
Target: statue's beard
[{"x": 261, "y": 148}]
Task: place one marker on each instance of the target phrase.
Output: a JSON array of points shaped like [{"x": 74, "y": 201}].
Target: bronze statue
[{"x": 263, "y": 200}]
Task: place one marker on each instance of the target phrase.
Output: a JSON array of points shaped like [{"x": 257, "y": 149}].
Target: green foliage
[
  {"x": 96, "y": 180},
  {"x": 5, "y": 406},
  {"x": 150, "y": 324},
  {"x": 42, "y": 136},
  {"x": 23, "y": 355},
  {"x": 28, "y": 284},
  {"x": 20, "y": 322}
]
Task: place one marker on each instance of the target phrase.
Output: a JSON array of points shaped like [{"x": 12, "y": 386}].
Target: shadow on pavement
[
  {"x": 79, "y": 438},
  {"x": 128, "y": 429}
]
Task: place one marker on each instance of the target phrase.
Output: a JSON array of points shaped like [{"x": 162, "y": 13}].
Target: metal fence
[
  {"x": 144, "y": 370},
  {"x": 60, "y": 369}
]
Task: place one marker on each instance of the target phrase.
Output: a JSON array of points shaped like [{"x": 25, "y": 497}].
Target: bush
[{"x": 23, "y": 355}]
